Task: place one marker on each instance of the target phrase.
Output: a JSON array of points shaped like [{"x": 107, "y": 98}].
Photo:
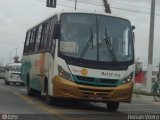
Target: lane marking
[
  {"x": 43, "y": 106},
  {"x": 51, "y": 110},
  {"x": 59, "y": 114},
  {"x": 24, "y": 98},
  {"x": 23, "y": 89}
]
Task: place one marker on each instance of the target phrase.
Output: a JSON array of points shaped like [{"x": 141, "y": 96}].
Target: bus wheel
[
  {"x": 49, "y": 100},
  {"x": 112, "y": 106},
  {"x": 6, "y": 82},
  {"x": 21, "y": 84},
  {"x": 29, "y": 89}
]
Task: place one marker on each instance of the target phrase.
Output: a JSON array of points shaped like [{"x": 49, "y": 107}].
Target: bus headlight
[
  {"x": 64, "y": 73},
  {"x": 127, "y": 79}
]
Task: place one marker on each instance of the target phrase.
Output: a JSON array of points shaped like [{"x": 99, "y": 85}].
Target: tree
[
  {"x": 106, "y": 6},
  {"x": 16, "y": 59}
]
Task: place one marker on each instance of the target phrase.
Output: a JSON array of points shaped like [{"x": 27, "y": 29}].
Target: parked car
[
  {"x": 13, "y": 74},
  {"x": 2, "y": 70}
]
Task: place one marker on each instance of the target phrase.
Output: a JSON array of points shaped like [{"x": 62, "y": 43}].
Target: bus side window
[
  {"x": 45, "y": 29},
  {"x": 53, "y": 40},
  {"x": 32, "y": 39},
  {"x": 38, "y": 38},
  {"x": 50, "y": 36},
  {"x": 26, "y": 47},
  {"x": 53, "y": 46}
]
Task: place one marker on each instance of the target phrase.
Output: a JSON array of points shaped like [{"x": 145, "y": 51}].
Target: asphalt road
[{"x": 15, "y": 103}]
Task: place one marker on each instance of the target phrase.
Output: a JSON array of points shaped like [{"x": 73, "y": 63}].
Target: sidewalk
[{"x": 143, "y": 97}]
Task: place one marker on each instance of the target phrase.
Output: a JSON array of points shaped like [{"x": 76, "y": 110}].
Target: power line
[
  {"x": 134, "y": 6},
  {"x": 125, "y": 9},
  {"x": 85, "y": 1},
  {"x": 120, "y": 7},
  {"x": 113, "y": 2},
  {"x": 131, "y": 10},
  {"x": 72, "y": 7},
  {"x": 137, "y": 11},
  {"x": 119, "y": 4},
  {"x": 114, "y": 7}
]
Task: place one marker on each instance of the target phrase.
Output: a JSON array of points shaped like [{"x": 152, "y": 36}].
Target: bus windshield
[{"x": 96, "y": 38}]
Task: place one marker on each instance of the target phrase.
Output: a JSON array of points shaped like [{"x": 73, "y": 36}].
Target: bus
[{"x": 80, "y": 56}]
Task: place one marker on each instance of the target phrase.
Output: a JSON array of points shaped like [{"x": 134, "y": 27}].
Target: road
[{"x": 15, "y": 102}]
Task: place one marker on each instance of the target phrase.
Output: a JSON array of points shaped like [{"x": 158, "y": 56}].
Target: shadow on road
[{"x": 77, "y": 105}]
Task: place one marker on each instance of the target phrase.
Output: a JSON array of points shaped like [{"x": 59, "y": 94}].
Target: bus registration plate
[{"x": 95, "y": 97}]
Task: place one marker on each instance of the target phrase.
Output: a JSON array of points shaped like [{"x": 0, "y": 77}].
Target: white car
[{"x": 13, "y": 74}]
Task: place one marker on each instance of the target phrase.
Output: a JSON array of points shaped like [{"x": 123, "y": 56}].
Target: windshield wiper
[
  {"x": 87, "y": 44},
  {"x": 109, "y": 46}
]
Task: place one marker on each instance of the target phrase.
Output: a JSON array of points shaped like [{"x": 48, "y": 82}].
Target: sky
[{"x": 16, "y": 16}]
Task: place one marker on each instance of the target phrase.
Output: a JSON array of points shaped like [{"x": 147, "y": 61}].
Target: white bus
[{"x": 80, "y": 56}]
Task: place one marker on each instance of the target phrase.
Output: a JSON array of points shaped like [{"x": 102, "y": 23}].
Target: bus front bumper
[{"x": 66, "y": 89}]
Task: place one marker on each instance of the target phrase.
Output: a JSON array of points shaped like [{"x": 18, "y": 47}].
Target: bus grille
[
  {"x": 96, "y": 81},
  {"x": 19, "y": 74},
  {"x": 87, "y": 93}
]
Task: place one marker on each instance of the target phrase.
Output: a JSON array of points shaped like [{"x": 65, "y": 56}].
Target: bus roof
[
  {"x": 58, "y": 13},
  {"x": 96, "y": 13}
]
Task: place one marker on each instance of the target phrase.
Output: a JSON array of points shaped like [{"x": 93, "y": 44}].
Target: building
[{"x": 141, "y": 78}]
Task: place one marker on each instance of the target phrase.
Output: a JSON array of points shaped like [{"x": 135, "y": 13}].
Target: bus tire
[
  {"x": 22, "y": 84},
  {"x": 112, "y": 106},
  {"x": 49, "y": 100},
  {"x": 6, "y": 82},
  {"x": 31, "y": 91}
]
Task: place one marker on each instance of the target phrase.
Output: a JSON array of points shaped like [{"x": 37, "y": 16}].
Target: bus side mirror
[
  {"x": 133, "y": 27},
  {"x": 56, "y": 31}
]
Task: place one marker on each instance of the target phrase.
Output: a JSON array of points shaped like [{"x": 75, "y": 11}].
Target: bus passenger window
[
  {"x": 26, "y": 47},
  {"x": 53, "y": 46},
  {"x": 38, "y": 38},
  {"x": 32, "y": 38},
  {"x": 44, "y": 36},
  {"x": 50, "y": 40}
]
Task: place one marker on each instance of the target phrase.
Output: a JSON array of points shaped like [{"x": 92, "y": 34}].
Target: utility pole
[
  {"x": 16, "y": 51},
  {"x": 16, "y": 57},
  {"x": 2, "y": 61},
  {"x": 9, "y": 57},
  {"x": 75, "y": 4},
  {"x": 150, "y": 48}
]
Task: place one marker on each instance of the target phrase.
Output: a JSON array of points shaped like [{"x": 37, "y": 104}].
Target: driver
[{"x": 69, "y": 33}]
